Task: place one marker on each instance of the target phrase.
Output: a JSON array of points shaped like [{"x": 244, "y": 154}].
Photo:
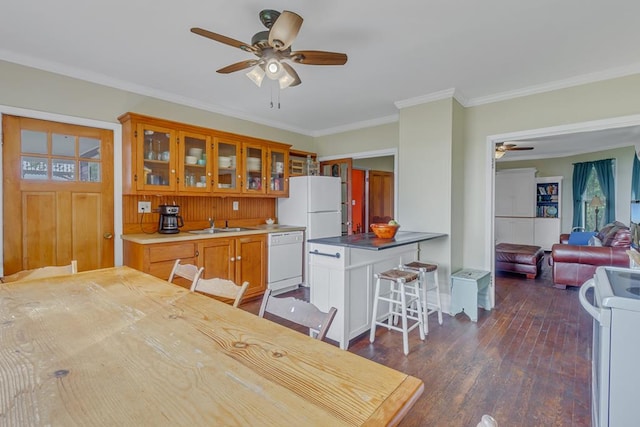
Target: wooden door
[
  {"x": 58, "y": 195},
  {"x": 251, "y": 263},
  {"x": 342, "y": 168},
  {"x": 380, "y": 196}
]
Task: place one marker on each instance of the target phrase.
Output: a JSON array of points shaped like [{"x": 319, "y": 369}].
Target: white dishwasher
[{"x": 284, "y": 269}]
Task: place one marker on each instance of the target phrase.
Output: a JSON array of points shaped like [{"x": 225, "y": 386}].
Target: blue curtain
[
  {"x": 635, "y": 180},
  {"x": 604, "y": 172},
  {"x": 580, "y": 177}
]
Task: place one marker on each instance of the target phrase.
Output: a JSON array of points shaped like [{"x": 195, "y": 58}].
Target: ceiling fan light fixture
[
  {"x": 273, "y": 69},
  {"x": 257, "y": 74},
  {"x": 285, "y": 79}
]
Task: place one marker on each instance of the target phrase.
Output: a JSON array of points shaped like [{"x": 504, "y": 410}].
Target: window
[
  {"x": 56, "y": 157},
  {"x": 591, "y": 198}
]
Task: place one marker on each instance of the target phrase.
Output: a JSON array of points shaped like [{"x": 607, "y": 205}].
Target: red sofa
[{"x": 573, "y": 265}]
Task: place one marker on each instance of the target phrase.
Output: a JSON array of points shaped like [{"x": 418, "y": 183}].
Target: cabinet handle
[
  {"x": 232, "y": 259},
  {"x": 238, "y": 257},
  {"x": 173, "y": 171},
  {"x": 197, "y": 253}
]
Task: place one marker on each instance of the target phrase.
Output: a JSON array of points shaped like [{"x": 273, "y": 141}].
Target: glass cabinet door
[
  {"x": 254, "y": 178},
  {"x": 227, "y": 165},
  {"x": 156, "y": 148},
  {"x": 278, "y": 173},
  {"x": 194, "y": 169}
]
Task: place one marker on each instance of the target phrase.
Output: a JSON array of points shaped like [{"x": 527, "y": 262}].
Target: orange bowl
[{"x": 384, "y": 231}]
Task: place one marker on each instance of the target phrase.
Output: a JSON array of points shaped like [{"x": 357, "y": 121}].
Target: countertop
[
  {"x": 369, "y": 241},
  {"x": 146, "y": 239}
]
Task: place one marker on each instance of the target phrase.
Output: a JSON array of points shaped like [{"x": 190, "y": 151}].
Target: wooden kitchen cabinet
[
  {"x": 277, "y": 165},
  {"x": 158, "y": 259},
  {"x": 239, "y": 258},
  {"x": 165, "y": 157}
]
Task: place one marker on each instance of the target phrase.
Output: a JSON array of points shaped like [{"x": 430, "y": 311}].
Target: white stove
[{"x": 616, "y": 345}]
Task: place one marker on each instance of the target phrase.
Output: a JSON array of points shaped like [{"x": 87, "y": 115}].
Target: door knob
[{"x": 107, "y": 235}]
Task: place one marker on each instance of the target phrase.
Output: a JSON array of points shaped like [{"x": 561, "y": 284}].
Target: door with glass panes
[{"x": 58, "y": 195}]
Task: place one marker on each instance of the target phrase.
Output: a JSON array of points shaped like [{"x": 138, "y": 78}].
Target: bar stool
[
  {"x": 403, "y": 296},
  {"x": 428, "y": 305}
]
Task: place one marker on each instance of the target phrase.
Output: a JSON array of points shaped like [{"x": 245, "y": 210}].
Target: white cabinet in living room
[
  {"x": 514, "y": 230},
  {"x": 515, "y": 206}
]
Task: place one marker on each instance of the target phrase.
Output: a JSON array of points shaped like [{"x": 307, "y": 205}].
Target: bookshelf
[{"x": 548, "y": 211}]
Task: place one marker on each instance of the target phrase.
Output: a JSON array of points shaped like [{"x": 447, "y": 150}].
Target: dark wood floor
[{"x": 526, "y": 362}]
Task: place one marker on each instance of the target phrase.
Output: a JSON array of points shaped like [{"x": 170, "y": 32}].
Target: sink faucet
[{"x": 212, "y": 223}]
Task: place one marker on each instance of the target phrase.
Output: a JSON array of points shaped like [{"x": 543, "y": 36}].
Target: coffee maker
[{"x": 169, "y": 221}]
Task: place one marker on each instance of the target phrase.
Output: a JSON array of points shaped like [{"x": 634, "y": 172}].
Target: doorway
[
  {"x": 383, "y": 161},
  {"x": 529, "y": 136},
  {"x": 58, "y": 198}
]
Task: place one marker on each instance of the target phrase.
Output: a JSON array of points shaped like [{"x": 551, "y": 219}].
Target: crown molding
[
  {"x": 104, "y": 80},
  {"x": 425, "y": 99},
  {"x": 609, "y": 74}
]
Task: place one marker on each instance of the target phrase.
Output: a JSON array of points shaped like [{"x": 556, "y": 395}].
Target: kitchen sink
[{"x": 218, "y": 230}]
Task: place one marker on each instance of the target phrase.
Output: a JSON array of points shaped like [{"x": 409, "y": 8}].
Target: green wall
[{"x": 563, "y": 166}]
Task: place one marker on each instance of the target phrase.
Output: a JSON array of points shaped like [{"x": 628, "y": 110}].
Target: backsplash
[{"x": 196, "y": 211}]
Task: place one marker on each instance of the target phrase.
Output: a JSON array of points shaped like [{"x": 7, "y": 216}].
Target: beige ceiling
[{"x": 398, "y": 51}]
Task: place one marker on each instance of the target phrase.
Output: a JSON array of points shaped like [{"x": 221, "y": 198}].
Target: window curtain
[
  {"x": 580, "y": 177},
  {"x": 604, "y": 172},
  {"x": 635, "y": 180}
]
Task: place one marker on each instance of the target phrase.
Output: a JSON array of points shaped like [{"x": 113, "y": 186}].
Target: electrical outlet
[
  {"x": 235, "y": 205},
  {"x": 144, "y": 207}
]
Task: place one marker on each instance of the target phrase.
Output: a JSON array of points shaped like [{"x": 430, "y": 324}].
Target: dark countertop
[{"x": 371, "y": 242}]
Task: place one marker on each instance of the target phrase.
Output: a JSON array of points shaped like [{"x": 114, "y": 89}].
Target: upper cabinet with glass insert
[{"x": 160, "y": 156}]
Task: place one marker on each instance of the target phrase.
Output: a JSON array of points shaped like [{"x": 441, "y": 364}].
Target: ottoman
[{"x": 523, "y": 259}]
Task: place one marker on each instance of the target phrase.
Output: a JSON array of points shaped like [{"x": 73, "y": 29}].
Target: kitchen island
[{"x": 341, "y": 273}]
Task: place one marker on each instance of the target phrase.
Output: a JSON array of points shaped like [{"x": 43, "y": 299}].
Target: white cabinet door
[
  {"x": 514, "y": 192},
  {"x": 514, "y": 230},
  {"x": 547, "y": 232}
]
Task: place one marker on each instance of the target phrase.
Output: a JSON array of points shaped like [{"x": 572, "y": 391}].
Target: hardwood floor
[{"x": 526, "y": 362}]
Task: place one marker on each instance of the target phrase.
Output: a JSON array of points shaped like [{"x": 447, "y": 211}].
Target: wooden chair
[
  {"x": 299, "y": 312},
  {"x": 42, "y": 272},
  {"x": 221, "y": 288},
  {"x": 186, "y": 271}
]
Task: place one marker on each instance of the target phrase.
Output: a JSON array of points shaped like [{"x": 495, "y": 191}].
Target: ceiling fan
[
  {"x": 502, "y": 148},
  {"x": 273, "y": 47}
]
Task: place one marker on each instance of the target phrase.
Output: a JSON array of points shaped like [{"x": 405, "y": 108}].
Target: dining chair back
[
  {"x": 42, "y": 272},
  {"x": 299, "y": 312},
  {"x": 186, "y": 271},
  {"x": 221, "y": 288}
]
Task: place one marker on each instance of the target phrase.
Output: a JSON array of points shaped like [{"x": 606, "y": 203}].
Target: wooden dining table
[{"x": 120, "y": 347}]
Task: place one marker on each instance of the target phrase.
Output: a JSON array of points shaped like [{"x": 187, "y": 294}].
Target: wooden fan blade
[
  {"x": 284, "y": 30},
  {"x": 289, "y": 69},
  {"x": 519, "y": 148},
  {"x": 237, "y": 66},
  {"x": 223, "y": 39},
  {"x": 318, "y": 57}
]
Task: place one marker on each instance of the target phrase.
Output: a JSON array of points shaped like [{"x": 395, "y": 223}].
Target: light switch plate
[
  {"x": 235, "y": 205},
  {"x": 144, "y": 207}
]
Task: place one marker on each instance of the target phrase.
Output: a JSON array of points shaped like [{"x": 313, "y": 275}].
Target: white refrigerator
[{"x": 314, "y": 202}]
